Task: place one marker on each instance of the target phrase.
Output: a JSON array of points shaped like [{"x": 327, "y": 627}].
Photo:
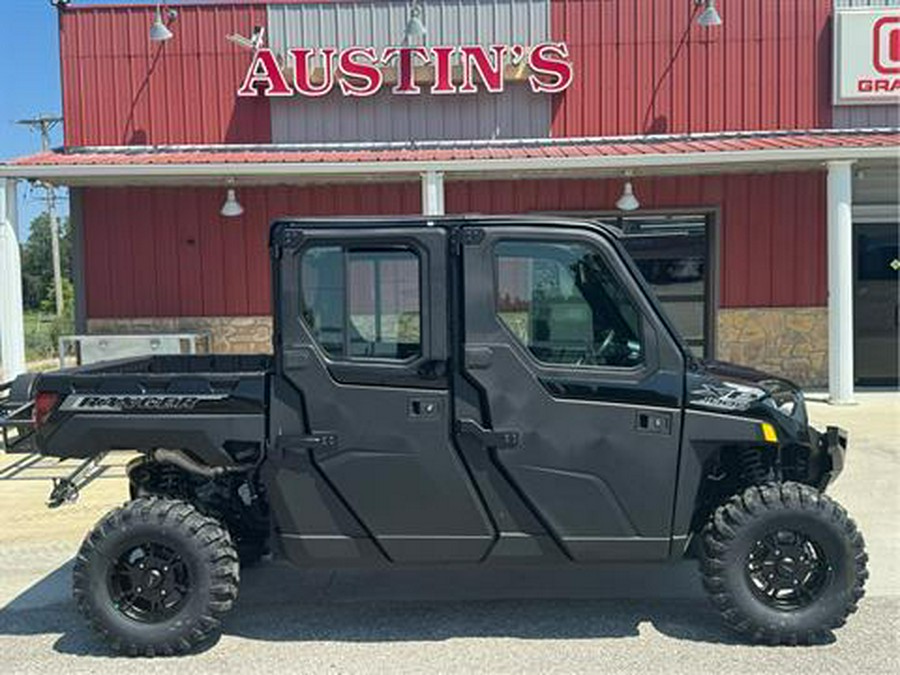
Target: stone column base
[
  {"x": 230, "y": 334},
  {"x": 787, "y": 341}
]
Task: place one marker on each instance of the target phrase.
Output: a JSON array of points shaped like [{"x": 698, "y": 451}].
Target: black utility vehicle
[{"x": 464, "y": 390}]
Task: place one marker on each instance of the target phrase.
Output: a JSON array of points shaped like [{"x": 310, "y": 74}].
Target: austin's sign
[{"x": 363, "y": 71}]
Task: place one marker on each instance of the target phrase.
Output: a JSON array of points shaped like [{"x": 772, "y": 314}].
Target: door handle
[
  {"x": 424, "y": 408},
  {"x": 653, "y": 422}
]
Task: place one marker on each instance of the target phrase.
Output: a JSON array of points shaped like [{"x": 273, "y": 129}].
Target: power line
[{"x": 45, "y": 123}]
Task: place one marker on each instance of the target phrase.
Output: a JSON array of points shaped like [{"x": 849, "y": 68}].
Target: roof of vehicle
[{"x": 448, "y": 221}]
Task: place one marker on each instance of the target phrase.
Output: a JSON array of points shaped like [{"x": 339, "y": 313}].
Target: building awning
[{"x": 694, "y": 153}]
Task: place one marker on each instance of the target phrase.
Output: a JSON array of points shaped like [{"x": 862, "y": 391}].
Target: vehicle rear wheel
[
  {"x": 783, "y": 563},
  {"x": 155, "y": 576}
]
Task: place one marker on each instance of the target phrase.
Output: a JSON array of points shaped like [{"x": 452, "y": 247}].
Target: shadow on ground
[{"x": 279, "y": 603}]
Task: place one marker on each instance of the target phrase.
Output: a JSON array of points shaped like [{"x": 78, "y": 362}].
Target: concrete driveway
[{"x": 646, "y": 618}]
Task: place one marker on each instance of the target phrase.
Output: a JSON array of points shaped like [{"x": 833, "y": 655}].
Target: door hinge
[
  {"x": 316, "y": 441},
  {"x": 465, "y": 236},
  {"x": 286, "y": 238},
  {"x": 488, "y": 437}
]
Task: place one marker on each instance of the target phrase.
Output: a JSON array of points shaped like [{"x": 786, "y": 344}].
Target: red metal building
[{"x": 757, "y": 174}]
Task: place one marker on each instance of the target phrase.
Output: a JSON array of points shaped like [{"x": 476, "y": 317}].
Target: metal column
[
  {"x": 433, "y": 193},
  {"x": 12, "y": 326},
  {"x": 840, "y": 282}
]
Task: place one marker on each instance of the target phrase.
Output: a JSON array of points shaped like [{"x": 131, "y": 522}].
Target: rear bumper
[{"x": 831, "y": 450}]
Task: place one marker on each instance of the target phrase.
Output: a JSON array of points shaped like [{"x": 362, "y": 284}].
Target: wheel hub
[
  {"x": 154, "y": 578},
  {"x": 149, "y": 583},
  {"x": 787, "y": 570}
]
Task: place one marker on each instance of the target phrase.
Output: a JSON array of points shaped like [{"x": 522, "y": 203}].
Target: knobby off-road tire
[
  {"x": 815, "y": 541},
  {"x": 155, "y": 576}
]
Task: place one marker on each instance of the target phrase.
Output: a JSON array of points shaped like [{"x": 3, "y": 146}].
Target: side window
[
  {"x": 563, "y": 303},
  {"x": 362, "y": 304}
]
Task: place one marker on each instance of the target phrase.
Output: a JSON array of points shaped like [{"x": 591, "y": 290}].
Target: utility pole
[{"x": 45, "y": 123}]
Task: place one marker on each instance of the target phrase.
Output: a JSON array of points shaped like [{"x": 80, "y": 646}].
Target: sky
[{"x": 32, "y": 41}]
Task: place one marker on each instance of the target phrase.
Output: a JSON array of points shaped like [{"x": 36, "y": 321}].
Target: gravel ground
[{"x": 643, "y": 618}]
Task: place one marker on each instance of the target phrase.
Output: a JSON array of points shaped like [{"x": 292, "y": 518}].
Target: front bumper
[{"x": 831, "y": 449}]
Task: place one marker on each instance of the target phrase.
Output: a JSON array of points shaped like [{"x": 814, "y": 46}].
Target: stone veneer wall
[
  {"x": 230, "y": 334},
  {"x": 787, "y": 341}
]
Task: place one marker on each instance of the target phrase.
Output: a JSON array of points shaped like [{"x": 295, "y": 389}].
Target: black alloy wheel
[
  {"x": 787, "y": 570},
  {"x": 149, "y": 582}
]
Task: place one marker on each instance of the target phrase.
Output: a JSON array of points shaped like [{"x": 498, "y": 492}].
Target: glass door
[{"x": 875, "y": 304}]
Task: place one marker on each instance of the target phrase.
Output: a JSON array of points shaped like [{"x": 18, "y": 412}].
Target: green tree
[{"x": 37, "y": 263}]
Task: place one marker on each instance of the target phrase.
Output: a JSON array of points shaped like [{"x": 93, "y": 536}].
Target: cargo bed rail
[{"x": 16, "y": 422}]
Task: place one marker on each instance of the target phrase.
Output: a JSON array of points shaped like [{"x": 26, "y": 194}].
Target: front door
[
  {"x": 875, "y": 306},
  {"x": 361, "y": 416},
  {"x": 581, "y": 383}
]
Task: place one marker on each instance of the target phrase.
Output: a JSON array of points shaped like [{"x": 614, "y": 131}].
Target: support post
[
  {"x": 840, "y": 282},
  {"x": 433, "y": 193},
  {"x": 12, "y": 325}
]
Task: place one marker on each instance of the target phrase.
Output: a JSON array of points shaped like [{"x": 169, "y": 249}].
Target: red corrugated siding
[
  {"x": 645, "y": 66},
  {"x": 166, "y": 252},
  {"x": 119, "y": 88},
  {"x": 154, "y": 252},
  {"x": 771, "y": 229}
]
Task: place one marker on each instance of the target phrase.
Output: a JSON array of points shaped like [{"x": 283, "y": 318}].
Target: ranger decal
[{"x": 133, "y": 402}]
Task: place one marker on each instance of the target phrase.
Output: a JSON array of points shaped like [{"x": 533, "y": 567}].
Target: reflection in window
[
  {"x": 362, "y": 304},
  {"x": 565, "y": 305}
]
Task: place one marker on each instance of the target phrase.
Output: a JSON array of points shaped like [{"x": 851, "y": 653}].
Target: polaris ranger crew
[{"x": 448, "y": 390}]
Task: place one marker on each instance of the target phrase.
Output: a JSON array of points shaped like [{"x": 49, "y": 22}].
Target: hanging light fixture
[
  {"x": 415, "y": 27},
  {"x": 159, "y": 31},
  {"x": 231, "y": 208},
  {"x": 709, "y": 16},
  {"x": 628, "y": 202}
]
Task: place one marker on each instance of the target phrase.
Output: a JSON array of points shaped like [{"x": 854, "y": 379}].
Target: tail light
[{"x": 44, "y": 403}]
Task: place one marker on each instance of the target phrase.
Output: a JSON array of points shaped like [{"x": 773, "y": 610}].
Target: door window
[
  {"x": 362, "y": 304},
  {"x": 564, "y": 304}
]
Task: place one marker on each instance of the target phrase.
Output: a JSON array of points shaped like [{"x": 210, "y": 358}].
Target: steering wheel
[
  {"x": 607, "y": 341},
  {"x": 592, "y": 355}
]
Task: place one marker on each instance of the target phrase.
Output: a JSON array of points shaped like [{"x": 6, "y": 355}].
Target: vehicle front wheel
[
  {"x": 155, "y": 576},
  {"x": 783, "y": 563}
]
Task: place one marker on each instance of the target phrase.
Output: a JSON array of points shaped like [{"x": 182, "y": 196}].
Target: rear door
[
  {"x": 361, "y": 411},
  {"x": 581, "y": 386}
]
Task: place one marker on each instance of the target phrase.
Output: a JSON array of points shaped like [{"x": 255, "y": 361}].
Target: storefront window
[{"x": 671, "y": 251}]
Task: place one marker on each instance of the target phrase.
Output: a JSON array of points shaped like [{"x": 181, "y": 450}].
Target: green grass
[{"x": 42, "y": 333}]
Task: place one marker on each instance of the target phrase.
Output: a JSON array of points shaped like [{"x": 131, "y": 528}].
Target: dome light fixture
[
  {"x": 628, "y": 202},
  {"x": 710, "y": 15},
  {"x": 415, "y": 27},
  {"x": 231, "y": 208},
  {"x": 159, "y": 31}
]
